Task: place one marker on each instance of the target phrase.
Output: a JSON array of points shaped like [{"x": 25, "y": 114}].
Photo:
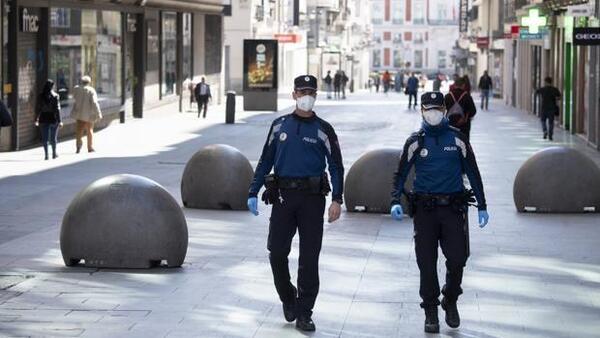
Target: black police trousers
[
  {"x": 446, "y": 225},
  {"x": 300, "y": 210}
]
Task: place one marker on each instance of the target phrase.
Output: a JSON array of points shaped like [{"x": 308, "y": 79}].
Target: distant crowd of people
[{"x": 336, "y": 84}]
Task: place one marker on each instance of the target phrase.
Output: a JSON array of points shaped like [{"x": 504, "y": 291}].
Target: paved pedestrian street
[{"x": 529, "y": 275}]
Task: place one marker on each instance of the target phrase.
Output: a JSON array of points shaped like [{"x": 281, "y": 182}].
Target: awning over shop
[
  {"x": 206, "y": 6},
  {"x": 558, "y": 4}
]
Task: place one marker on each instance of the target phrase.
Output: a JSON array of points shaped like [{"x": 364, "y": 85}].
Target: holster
[
  {"x": 271, "y": 193},
  {"x": 411, "y": 199}
]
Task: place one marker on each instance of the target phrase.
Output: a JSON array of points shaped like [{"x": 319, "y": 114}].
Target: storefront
[{"x": 137, "y": 57}]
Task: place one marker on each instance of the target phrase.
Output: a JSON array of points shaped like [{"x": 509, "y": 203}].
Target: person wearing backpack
[
  {"x": 440, "y": 155},
  {"x": 47, "y": 117},
  {"x": 202, "y": 93},
  {"x": 460, "y": 107}
]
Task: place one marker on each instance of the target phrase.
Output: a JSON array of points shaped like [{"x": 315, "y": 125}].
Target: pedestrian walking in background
[
  {"x": 550, "y": 96},
  {"x": 386, "y": 79},
  {"x": 398, "y": 78},
  {"x": 437, "y": 83},
  {"x": 412, "y": 88},
  {"x": 202, "y": 93},
  {"x": 455, "y": 78},
  {"x": 344, "y": 82},
  {"x": 328, "y": 83},
  {"x": 190, "y": 87},
  {"x": 47, "y": 117},
  {"x": 467, "y": 85},
  {"x": 377, "y": 82},
  {"x": 86, "y": 112},
  {"x": 438, "y": 204},
  {"x": 298, "y": 148},
  {"x": 460, "y": 107},
  {"x": 6, "y": 119},
  {"x": 485, "y": 86},
  {"x": 337, "y": 84}
]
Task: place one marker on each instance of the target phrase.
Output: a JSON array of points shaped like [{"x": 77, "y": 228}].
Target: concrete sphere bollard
[
  {"x": 557, "y": 180},
  {"x": 369, "y": 182},
  {"x": 217, "y": 177},
  {"x": 124, "y": 221}
]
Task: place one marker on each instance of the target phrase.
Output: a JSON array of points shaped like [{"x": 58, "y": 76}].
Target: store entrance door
[
  {"x": 32, "y": 71},
  {"x": 129, "y": 58}
]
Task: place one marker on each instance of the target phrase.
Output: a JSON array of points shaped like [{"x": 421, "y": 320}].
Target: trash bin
[{"x": 230, "y": 108}]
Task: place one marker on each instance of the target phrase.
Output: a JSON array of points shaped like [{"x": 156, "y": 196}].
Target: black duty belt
[
  {"x": 438, "y": 199},
  {"x": 303, "y": 183}
]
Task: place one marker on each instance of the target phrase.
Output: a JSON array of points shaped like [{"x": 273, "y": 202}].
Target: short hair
[
  {"x": 86, "y": 80},
  {"x": 548, "y": 79},
  {"x": 461, "y": 81}
]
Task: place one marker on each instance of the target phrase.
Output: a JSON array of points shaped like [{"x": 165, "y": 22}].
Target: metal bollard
[{"x": 230, "y": 108}]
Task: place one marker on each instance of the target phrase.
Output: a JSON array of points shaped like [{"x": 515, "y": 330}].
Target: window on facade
[
  {"x": 398, "y": 58},
  {"x": 418, "y": 37},
  {"x": 419, "y": 12},
  {"x": 377, "y": 13},
  {"x": 376, "y": 58},
  {"x": 213, "y": 45},
  {"x": 442, "y": 59},
  {"x": 86, "y": 42},
  {"x": 377, "y": 37},
  {"x": 398, "y": 12},
  {"x": 418, "y": 59},
  {"x": 169, "y": 52},
  {"x": 397, "y": 38}
]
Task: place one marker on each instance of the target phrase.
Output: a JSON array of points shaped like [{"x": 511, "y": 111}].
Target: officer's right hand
[
  {"x": 253, "y": 205},
  {"x": 397, "y": 212}
]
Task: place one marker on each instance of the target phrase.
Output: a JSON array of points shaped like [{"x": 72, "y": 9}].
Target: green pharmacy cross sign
[{"x": 534, "y": 21}]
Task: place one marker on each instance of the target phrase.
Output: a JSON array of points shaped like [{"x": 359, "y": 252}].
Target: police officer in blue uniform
[
  {"x": 299, "y": 146},
  {"x": 440, "y": 154}
]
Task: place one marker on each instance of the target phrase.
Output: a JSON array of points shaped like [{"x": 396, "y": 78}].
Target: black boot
[
  {"x": 289, "y": 309},
  {"x": 452, "y": 316},
  {"x": 432, "y": 323},
  {"x": 304, "y": 323}
]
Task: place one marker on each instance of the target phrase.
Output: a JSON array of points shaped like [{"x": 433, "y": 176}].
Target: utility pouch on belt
[
  {"x": 271, "y": 193},
  {"x": 324, "y": 187}
]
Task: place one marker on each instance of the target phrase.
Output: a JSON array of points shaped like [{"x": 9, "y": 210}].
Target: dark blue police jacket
[
  {"x": 298, "y": 147},
  {"x": 441, "y": 155}
]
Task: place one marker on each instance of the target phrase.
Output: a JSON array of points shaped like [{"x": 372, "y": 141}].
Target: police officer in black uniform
[
  {"x": 299, "y": 146},
  {"x": 440, "y": 154}
]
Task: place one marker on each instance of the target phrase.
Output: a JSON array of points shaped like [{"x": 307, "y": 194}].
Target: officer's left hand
[
  {"x": 335, "y": 210},
  {"x": 484, "y": 217}
]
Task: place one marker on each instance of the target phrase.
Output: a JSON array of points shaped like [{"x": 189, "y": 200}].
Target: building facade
[
  {"x": 556, "y": 52},
  {"x": 139, "y": 55},
  {"x": 416, "y": 34}
]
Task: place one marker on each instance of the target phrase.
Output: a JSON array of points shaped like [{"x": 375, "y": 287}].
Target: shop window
[
  {"x": 87, "y": 43},
  {"x": 214, "y": 47},
  {"x": 398, "y": 12},
  {"x": 187, "y": 46},
  {"x": 169, "y": 53},
  {"x": 60, "y": 18}
]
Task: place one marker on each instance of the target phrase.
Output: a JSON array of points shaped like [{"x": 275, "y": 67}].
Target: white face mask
[
  {"x": 305, "y": 103},
  {"x": 433, "y": 117}
]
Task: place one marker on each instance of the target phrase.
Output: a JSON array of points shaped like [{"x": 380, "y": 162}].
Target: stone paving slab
[{"x": 528, "y": 276}]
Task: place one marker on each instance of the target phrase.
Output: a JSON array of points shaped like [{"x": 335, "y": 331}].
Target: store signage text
[
  {"x": 586, "y": 36},
  {"x": 30, "y": 22},
  {"x": 464, "y": 16},
  {"x": 287, "y": 38},
  {"x": 483, "y": 42}
]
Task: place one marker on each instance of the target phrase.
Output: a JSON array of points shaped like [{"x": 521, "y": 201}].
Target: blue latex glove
[
  {"x": 483, "y": 218},
  {"x": 397, "y": 212},
  {"x": 253, "y": 205}
]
